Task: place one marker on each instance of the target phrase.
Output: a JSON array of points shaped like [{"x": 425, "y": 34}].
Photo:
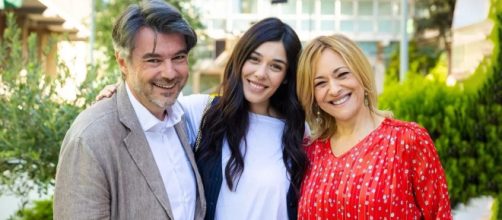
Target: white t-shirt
[{"x": 262, "y": 189}]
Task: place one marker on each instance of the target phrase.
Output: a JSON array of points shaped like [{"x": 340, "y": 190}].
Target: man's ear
[{"x": 122, "y": 63}]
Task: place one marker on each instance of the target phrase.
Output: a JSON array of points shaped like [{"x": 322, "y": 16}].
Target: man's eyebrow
[
  {"x": 156, "y": 55},
  {"x": 182, "y": 51},
  {"x": 150, "y": 55}
]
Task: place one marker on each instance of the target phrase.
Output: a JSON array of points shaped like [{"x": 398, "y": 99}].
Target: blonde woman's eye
[
  {"x": 343, "y": 74},
  {"x": 320, "y": 83}
]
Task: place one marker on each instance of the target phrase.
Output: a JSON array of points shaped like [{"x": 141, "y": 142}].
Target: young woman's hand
[{"x": 107, "y": 92}]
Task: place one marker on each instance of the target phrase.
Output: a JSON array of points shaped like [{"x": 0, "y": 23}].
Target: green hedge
[
  {"x": 38, "y": 210},
  {"x": 464, "y": 120}
]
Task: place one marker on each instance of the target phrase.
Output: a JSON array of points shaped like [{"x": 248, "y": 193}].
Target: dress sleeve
[{"x": 428, "y": 177}]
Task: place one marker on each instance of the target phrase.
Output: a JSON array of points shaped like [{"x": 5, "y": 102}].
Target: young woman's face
[
  {"x": 336, "y": 89},
  {"x": 262, "y": 74}
]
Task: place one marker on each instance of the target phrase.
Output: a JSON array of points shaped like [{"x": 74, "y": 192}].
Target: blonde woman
[{"x": 363, "y": 163}]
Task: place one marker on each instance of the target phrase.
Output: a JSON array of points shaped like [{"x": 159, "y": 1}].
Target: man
[{"x": 128, "y": 157}]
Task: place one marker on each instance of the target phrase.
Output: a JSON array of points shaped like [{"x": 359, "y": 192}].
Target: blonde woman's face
[{"x": 336, "y": 89}]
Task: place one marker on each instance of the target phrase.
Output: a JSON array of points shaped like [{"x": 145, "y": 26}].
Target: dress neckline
[{"x": 358, "y": 144}]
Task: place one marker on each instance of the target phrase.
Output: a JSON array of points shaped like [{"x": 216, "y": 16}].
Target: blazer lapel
[
  {"x": 201, "y": 201},
  {"x": 138, "y": 148}
]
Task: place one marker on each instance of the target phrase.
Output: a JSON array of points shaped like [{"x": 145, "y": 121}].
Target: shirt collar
[{"x": 151, "y": 123}]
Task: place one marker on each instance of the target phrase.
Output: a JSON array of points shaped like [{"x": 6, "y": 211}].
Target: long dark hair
[{"x": 228, "y": 118}]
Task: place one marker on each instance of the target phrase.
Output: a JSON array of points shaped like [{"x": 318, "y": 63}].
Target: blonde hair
[{"x": 356, "y": 62}]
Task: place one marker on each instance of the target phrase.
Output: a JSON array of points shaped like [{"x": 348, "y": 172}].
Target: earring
[
  {"x": 366, "y": 100},
  {"x": 318, "y": 118}
]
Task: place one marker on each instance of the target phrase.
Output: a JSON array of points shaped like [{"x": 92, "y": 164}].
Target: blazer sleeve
[{"x": 81, "y": 189}]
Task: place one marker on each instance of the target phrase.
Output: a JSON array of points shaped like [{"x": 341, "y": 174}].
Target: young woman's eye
[
  {"x": 254, "y": 59},
  {"x": 276, "y": 67}
]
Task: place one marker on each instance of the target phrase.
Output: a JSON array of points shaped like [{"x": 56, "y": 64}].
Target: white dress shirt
[{"x": 170, "y": 157}]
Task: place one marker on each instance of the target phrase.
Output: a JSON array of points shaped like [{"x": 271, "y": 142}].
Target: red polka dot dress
[{"x": 393, "y": 173}]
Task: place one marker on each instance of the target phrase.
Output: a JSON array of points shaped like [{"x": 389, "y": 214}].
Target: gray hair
[{"x": 156, "y": 14}]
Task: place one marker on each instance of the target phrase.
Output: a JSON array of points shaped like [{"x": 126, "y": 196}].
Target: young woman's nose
[{"x": 261, "y": 70}]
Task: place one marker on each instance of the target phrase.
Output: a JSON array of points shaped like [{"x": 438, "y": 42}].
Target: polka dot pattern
[{"x": 393, "y": 173}]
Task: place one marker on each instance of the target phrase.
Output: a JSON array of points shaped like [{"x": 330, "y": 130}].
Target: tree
[
  {"x": 34, "y": 116},
  {"x": 437, "y": 17}
]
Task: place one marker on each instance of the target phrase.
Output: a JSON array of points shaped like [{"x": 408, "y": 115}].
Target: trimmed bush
[{"x": 465, "y": 121}]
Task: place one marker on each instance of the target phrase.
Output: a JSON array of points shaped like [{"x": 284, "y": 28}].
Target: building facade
[
  {"x": 470, "y": 45},
  {"x": 373, "y": 24}
]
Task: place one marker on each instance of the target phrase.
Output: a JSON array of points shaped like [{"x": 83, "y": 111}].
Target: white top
[
  {"x": 170, "y": 157},
  {"x": 262, "y": 189}
]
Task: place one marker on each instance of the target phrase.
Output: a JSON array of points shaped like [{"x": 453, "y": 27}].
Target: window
[
  {"x": 396, "y": 8},
  {"x": 327, "y": 25},
  {"x": 220, "y": 24},
  {"x": 308, "y": 7},
  {"x": 347, "y": 7},
  {"x": 347, "y": 26},
  {"x": 248, "y": 6},
  {"x": 365, "y": 8},
  {"x": 327, "y": 7},
  {"x": 240, "y": 25},
  {"x": 397, "y": 25},
  {"x": 308, "y": 25},
  {"x": 289, "y": 7},
  {"x": 384, "y": 8},
  {"x": 369, "y": 48},
  {"x": 385, "y": 26},
  {"x": 291, "y": 23},
  {"x": 365, "y": 26}
]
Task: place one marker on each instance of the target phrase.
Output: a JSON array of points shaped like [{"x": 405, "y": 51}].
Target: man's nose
[{"x": 168, "y": 69}]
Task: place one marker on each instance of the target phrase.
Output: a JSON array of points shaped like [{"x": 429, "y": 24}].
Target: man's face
[{"x": 156, "y": 72}]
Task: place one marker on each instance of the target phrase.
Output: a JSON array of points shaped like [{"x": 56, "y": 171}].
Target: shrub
[
  {"x": 34, "y": 116},
  {"x": 464, "y": 121},
  {"x": 40, "y": 209}
]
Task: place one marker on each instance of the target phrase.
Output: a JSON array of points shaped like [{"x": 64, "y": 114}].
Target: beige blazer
[{"x": 106, "y": 169}]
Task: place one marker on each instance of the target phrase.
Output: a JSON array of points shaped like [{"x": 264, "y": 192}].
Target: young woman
[
  {"x": 363, "y": 164},
  {"x": 250, "y": 154},
  {"x": 249, "y": 150}
]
